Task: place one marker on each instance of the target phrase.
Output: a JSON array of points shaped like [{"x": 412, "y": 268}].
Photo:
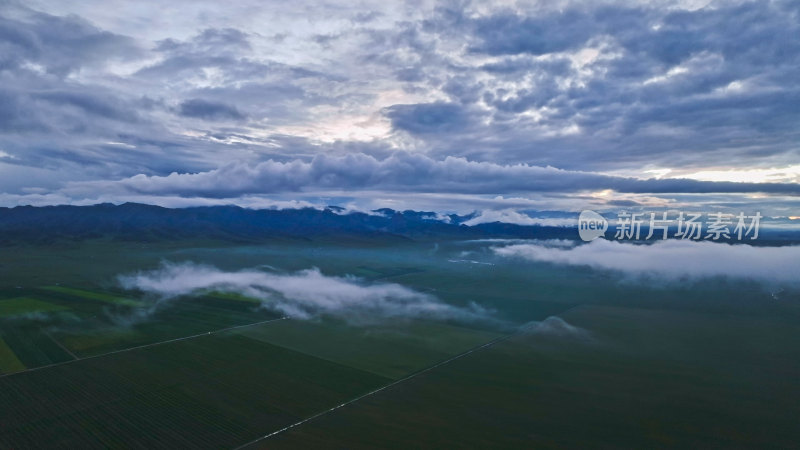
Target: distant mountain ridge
[{"x": 140, "y": 222}]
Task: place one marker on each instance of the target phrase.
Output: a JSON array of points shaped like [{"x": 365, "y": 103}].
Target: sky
[{"x": 448, "y": 106}]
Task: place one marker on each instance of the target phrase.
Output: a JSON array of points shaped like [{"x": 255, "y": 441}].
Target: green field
[
  {"x": 8, "y": 360},
  {"x": 87, "y": 364},
  {"x": 26, "y": 305},
  {"x": 168, "y": 321},
  {"x": 634, "y": 385},
  {"x": 91, "y": 295},
  {"x": 234, "y": 296},
  {"x": 213, "y": 391},
  {"x": 391, "y": 351}
]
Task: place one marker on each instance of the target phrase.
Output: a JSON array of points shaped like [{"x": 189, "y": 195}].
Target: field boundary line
[
  {"x": 60, "y": 345},
  {"x": 139, "y": 347},
  {"x": 382, "y": 388}
]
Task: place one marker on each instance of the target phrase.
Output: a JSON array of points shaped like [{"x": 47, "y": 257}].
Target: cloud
[
  {"x": 625, "y": 84},
  {"x": 209, "y": 41},
  {"x": 403, "y": 172},
  {"x": 555, "y": 326},
  {"x": 304, "y": 294},
  {"x": 585, "y": 87},
  {"x": 89, "y": 103},
  {"x": 515, "y": 217},
  {"x": 429, "y": 117},
  {"x": 207, "y": 110},
  {"x": 59, "y": 44},
  {"x": 504, "y": 33},
  {"x": 671, "y": 259}
]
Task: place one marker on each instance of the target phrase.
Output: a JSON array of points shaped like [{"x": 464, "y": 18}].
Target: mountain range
[{"x": 140, "y": 222}]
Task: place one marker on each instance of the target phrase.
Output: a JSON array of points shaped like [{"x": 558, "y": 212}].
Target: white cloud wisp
[
  {"x": 303, "y": 295},
  {"x": 672, "y": 259}
]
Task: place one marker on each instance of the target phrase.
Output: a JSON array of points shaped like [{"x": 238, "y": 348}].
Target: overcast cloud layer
[{"x": 207, "y": 100}]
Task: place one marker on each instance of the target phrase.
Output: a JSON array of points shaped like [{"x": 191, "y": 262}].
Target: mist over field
[
  {"x": 672, "y": 259},
  {"x": 304, "y": 294}
]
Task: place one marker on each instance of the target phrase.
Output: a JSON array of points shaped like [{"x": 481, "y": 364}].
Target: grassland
[
  {"x": 214, "y": 391},
  {"x": 32, "y": 344},
  {"x": 160, "y": 322},
  {"x": 92, "y": 295},
  {"x": 711, "y": 364},
  {"x": 234, "y": 296},
  {"x": 633, "y": 384},
  {"x": 392, "y": 351},
  {"x": 8, "y": 359},
  {"x": 26, "y": 305}
]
